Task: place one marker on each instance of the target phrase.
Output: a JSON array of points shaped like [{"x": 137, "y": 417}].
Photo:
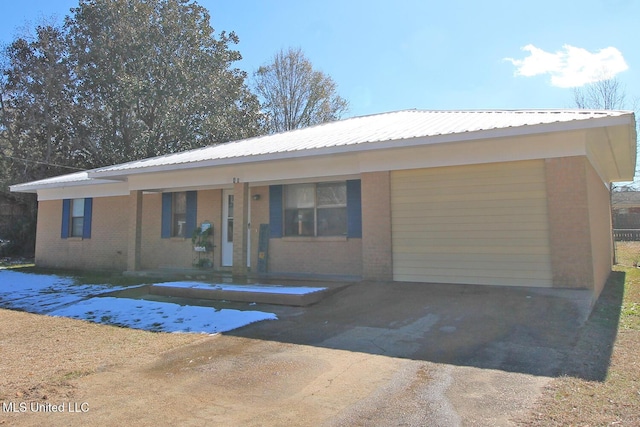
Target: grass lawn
[
  {"x": 85, "y": 277},
  {"x": 8, "y": 262},
  {"x": 601, "y": 385}
]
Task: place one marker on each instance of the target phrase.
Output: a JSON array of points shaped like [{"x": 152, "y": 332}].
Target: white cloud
[{"x": 572, "y": 66}]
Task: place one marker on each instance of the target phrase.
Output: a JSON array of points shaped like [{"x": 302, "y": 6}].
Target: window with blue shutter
[
  {"x": 354, "y": 208},
  {"x": 88, "y": 213},
  {"x": 76, "y": 218},
  {"x": 192, "y": 212},
  {"x": 316, "y": 209},
  {"x": 179, "y": 214},
  {"x": 167, "y": 200},
  {"x": 275, "y": 211},
  {"x": 66, "y": 217}
]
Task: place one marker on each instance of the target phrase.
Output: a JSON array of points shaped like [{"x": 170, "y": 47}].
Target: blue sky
[{"x": 454, "y": 54}]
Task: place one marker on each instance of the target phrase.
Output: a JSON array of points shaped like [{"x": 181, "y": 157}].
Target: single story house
[{"x": 514, "y": 198}]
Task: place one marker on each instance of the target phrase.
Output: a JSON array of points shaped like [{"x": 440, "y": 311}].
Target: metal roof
[
  {"x": 76, "y": 178},
  {"x": 365, "y": 130},
  {"x": 386, "y": 130}
]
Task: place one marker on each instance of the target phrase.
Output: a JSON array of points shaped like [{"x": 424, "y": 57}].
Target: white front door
[
  {"x": 249, "y": 230},
  {"x": 227, "y": 228}
]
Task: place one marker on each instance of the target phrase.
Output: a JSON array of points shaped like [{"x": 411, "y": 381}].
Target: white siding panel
[{"x": 481, "y": 224}]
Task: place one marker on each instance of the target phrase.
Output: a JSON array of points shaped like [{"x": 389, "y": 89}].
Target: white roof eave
[{"x": 34, "y": 187}]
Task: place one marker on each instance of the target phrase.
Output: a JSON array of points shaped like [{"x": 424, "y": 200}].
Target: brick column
[
  {"x": 135, "y": 231},
  {"x": 240, "y": 223},
  {"x": 569, "y": 228},
  {"x": 377, "y": 260}
]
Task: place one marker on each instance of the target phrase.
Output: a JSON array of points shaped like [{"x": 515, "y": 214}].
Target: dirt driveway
[{"x": 372, "y": 354}]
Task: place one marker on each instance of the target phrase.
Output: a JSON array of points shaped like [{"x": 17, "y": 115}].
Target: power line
[{"x": 45, "y": 163}]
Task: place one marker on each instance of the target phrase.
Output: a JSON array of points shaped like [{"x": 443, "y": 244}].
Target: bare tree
[
  {"x": 607, "y": 94},
  {"x": 294, "y": 95}
]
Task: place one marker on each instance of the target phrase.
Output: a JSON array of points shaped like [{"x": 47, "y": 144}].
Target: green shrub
[{"x": 21, "y": 236}]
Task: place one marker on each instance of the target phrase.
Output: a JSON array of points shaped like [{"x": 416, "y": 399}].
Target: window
[
  {"x": 229, "y": 219},
  {"x": 330, "y": 210},
  {"x": 315, "y": 209},
  {"x": 179, "y": 214},
  {"x": 76, "y": 218}
]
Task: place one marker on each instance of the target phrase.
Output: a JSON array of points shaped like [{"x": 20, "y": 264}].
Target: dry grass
[
  {"x": 73, "y": 349},
  {"x": 628, "y": 254},
  {"x": 614, "y": 400}
]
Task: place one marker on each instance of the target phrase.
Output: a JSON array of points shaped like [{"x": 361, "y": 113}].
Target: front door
[{"x": 227, "y": 228}]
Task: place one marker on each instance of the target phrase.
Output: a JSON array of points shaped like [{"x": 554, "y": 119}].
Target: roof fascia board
[
  {"x": 353, "y": 164},
  {"x": 34, "y": 187},
  {"x": 326, "y": 167},
  {"x": 77, "y": 191},
  {"x": 497, "y": 150},
  {"x": 256, "y": 184}
]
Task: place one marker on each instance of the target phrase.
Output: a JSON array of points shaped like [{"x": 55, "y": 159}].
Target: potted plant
[{"x": 201, "y": 238}]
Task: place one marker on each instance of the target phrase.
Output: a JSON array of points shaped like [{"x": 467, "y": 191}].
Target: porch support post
[
  {"x": 240, "y": 225},
  {"x": 135, "y": 231}
]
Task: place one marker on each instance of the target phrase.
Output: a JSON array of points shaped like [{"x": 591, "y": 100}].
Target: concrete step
[{"x": 291, "y": 295}]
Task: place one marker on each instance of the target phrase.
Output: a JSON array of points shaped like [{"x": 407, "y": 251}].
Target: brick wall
[
  {"x": 177, "y": 252},
  {"x": 156, "y": 251},
  {"x": 259, "y": 215},
  {"x": 210, "y": 209},
  {"x": 107, "y": 247},
  {"x": 322, "y": 256},
  {"x": 310, "y": 255},
  {"x": 377, "y": 259},
  {"x": 600, "y": 228},
  {"x": 241, "y": 202},
  {"x": 569, "y": 225}
]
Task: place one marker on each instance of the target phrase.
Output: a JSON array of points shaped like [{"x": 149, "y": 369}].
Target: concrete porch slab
[
  {"x": 226, "y": 276},
  {"x": 278, "y": 294}
]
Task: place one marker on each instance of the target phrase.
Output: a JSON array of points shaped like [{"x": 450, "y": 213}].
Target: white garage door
[{"x": 481, "y": 224}]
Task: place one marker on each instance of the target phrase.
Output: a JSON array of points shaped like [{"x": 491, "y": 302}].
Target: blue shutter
[
  {"x": 275, "y": 211},
  {"x": 192, "y": 213},
  {"x": 88, "y": 212},
  {"x": 167, "y": 198},
  {"x": 66, "y": 216},
  {"x": 354, "y": 208}
]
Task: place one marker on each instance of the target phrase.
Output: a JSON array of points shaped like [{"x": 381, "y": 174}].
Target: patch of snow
[
  {"x": 160, "y": 316},
  {"x": 257, "y": 288},
  {"x": 61, "y": 296},
  {"x": 39, "y": 293}
]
